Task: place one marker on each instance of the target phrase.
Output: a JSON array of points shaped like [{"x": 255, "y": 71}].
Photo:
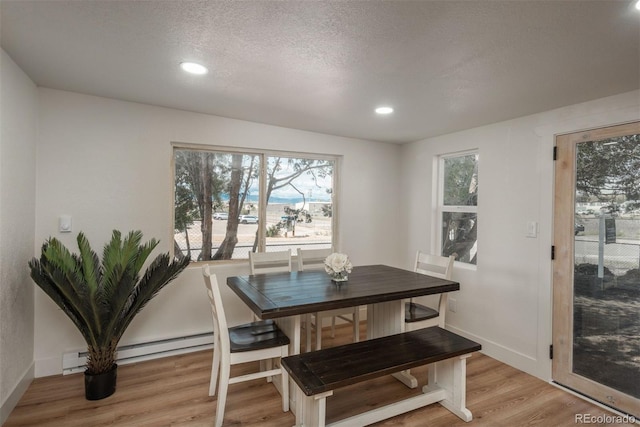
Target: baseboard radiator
[{"x": 75, "y": 361}]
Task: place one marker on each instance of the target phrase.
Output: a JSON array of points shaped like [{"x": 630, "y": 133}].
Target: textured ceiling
[{"x": 324, "y": 65}]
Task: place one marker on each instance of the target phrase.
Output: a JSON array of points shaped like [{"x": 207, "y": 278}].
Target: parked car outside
[
  {"x": 248, "y": 219},
  {"x": 221, "y": 215},
  {"x": 578, "y": 228}
]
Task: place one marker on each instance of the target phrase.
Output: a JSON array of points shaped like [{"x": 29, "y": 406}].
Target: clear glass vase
[{"x": 340, "y": 277}]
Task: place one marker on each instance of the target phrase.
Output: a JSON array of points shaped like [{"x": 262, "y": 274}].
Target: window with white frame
[
  {"x": 458, "y": 206},
  {"x": 228, "y": 203}
]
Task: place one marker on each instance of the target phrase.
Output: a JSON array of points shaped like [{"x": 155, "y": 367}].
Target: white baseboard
[
  {"x": 74, "y": 361},
  {"x": 511, "y": 357},
  {"x": 49, "y": 366},
  {"x": 14, "y": 397}
]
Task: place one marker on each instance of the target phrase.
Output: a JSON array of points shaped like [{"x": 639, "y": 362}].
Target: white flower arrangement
[{"x": 338, "y": 266}]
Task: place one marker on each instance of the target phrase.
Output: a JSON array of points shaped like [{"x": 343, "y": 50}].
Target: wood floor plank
[{"x": 173, "y": 391}]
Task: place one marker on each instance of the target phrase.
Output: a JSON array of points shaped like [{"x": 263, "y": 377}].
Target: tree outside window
[
  {"x": 608, "y": 172},
  {"x": 459, "y": 206},
  {"x": 228, "y": 203}
]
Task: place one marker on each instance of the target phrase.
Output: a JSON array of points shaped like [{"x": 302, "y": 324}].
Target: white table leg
[
  {"x": 307, "y": 331},
  {"x": 384, "y": 319},
  {"x": 291, "y": 327}
]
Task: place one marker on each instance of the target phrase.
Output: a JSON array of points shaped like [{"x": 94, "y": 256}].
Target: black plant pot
[{"x": 99, "y": 386}]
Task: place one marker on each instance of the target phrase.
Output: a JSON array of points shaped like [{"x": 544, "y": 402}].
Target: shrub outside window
[
  {"x": 229, "y": 203},
  {"x": 458, "y": 206}
]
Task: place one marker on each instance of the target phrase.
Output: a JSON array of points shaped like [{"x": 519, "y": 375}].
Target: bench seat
[{"x": 318, "y": 373}]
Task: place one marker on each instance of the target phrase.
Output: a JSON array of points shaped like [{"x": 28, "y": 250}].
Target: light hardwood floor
[{"x": 173, "y": 391}]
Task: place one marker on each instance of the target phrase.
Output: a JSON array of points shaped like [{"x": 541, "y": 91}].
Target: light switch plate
[
  {"x": 532, "y": 229},
  {"x": 65, "y": 224}
]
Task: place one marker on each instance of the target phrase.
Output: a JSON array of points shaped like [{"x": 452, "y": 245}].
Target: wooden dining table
[{"x": 287, "y": 297}]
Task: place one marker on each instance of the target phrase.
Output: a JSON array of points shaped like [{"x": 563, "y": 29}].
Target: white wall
[
  {"x": 18, "y": 133},
  {"x": 107, "y": 163},
  {"x": 505, "y": 303}
]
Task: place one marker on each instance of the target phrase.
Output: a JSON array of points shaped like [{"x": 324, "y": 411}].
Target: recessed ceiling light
[
  {"x": 193, "y": 68},
  {"x": 638, "y": 5},
  {"x": 384, "y": 110}
]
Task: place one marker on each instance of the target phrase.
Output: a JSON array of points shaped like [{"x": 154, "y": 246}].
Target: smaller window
[{"x": 458, "y": 206}]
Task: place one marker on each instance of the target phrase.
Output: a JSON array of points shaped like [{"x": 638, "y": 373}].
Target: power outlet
[{"x": 453, "y": 305}]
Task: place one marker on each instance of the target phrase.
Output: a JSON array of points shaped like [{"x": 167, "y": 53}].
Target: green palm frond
[
  {"x": 161, "y": 271},
  {"x": 64, "y": 277},
  {"x": 43, "y": 279},
  {"x": 101, "y": 297},
  {"x": 121, "y": 275},
  {"x": 92, "y": 273}
]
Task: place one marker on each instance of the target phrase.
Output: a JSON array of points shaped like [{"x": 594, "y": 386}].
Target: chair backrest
[
  {"x": 270, "y": 262},
  {"x": 312, "y": 258},
  {"x": 434, "y": 265},
  {"x": 220, "y": 328}
]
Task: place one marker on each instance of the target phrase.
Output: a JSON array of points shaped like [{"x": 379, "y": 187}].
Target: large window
[
  {"x": 228, "y": 203},
  {"x": 458, "y": 206}
]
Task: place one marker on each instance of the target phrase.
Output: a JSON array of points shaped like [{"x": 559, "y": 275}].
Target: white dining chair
[
  {"x": 257, "y": 341},
  {"x": 314, "y": 259},
  {"x": 270, "y": 262},
  {"x": 421, "y": 316}
]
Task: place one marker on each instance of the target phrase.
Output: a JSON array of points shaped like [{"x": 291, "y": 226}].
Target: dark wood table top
[{"x": 276, "y": 295}]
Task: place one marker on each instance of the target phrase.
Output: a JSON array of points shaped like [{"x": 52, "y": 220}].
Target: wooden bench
[{"x": 318, "y": 373}]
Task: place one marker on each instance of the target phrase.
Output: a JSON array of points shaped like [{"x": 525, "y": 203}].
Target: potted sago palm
[{"x": 102, "y": 296}]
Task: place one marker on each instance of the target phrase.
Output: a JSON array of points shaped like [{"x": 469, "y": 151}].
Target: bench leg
[
  {"x": 451, "y": 375},
  {"x": 311, "y": 410},
  {"x": 406, "y": 378}
]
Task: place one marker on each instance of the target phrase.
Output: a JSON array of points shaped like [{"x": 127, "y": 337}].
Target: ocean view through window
[{"x": 228, "y": 203}]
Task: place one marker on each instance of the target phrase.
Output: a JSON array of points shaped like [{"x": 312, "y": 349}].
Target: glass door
[{"x": 596, "y": 282}]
